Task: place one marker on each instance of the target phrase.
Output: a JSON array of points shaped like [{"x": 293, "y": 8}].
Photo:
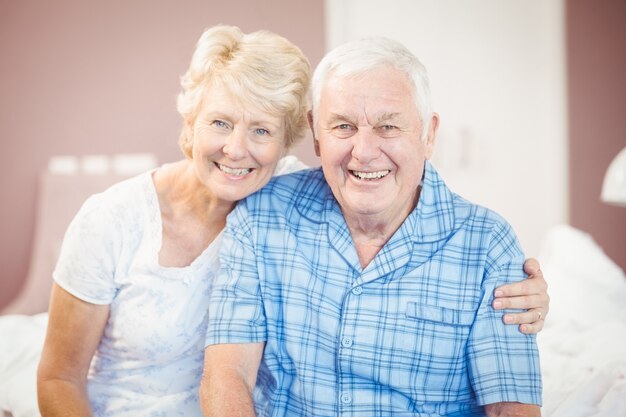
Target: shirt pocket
[
  {"x": 440, "y": 315},
  {"x": 434, "y": 348}
]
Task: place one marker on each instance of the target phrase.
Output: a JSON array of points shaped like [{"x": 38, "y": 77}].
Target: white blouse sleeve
[
  {"x": 91, "y": 247},
  {"x": 289, "y": 164}
]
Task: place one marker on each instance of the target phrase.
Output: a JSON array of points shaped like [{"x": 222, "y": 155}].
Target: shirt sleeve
[
  {"x": 236, "y": 313},
  {"x": 86, "y": 265},
  {"x": 503, "y": 362}
]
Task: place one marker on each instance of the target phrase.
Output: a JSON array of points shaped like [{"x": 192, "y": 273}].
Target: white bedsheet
[
  {"x": 583, "y": 346},
  {"x": 21, "y": 340}
]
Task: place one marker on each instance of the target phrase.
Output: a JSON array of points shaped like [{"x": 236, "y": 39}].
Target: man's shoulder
[
  {"x": 489, "y": 229},
  {"x": 474, "y": 217},
  {"x": 294, "y": 180},
  {"x": 477, "y": 213},
  {"x": 302, "y": 190}
]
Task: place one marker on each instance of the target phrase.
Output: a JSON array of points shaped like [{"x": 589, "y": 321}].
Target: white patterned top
[{"x": 149, "y": 361}]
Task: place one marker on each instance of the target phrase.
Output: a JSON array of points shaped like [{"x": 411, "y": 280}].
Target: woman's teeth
[
  {"x": 233, "y": 171},
  {"x": 370, "y": 175}
]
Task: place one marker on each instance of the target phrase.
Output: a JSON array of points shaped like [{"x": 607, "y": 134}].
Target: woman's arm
[
  {"x": 74, "y": 331},
  {"x": 530, "y": 294}
]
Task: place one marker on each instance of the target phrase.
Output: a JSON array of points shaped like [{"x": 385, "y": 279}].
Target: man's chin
[{"x": 364, "y": 208}]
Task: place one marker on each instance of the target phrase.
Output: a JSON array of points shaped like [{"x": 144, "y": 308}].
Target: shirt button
[
  {"x": 357, "y": 290},
  {"x": 346, "y": 398},
  {"x": 346, "y": 342}
]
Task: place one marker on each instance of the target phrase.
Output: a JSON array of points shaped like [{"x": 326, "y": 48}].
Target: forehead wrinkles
[
  {"x": 362, "y": 109},
  {"x": 380, "y": 117},
  {"x": 379, "y": 105},
  {"x": 367, "y": 99}
]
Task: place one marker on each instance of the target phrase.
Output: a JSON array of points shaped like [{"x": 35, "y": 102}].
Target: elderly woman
[{"x": 128, "y": 310}]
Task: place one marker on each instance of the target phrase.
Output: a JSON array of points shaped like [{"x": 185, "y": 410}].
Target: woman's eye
[
  {"x": 219, "y": 123},
  {"x": 261, "y": 131},
  {"x": 388, "y": 127},
  {"x": 343, "y": 126}
]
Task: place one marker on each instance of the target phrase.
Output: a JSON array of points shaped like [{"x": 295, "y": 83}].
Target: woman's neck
[
  {"x": 191, "y": 217},
  {"x": 182, "y": 194}
]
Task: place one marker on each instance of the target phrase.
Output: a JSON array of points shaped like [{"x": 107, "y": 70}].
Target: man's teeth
[
  {"x": 233, "y": 171},
  {"x": 370, "y": 175}
]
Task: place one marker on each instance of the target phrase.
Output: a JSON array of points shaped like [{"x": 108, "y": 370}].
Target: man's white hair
[{"x": 358, "y": 57}]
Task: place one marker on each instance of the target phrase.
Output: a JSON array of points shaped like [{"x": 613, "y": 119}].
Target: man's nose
[{"x": 366, "y": 145}]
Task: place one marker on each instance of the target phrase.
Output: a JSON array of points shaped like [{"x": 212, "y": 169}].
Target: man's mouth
[
  {"x": 370, "y": 176},
  {"x": 238, "y": 172}
]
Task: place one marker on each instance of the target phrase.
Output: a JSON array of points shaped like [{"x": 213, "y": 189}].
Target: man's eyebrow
[
  {"x": 384, "y": 117},
  {"x": 388, "y": 116},
  {"x": 336, "y": 117}
]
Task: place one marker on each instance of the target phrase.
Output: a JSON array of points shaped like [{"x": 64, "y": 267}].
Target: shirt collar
[
  {"x": 434, "y": 214},
  {"x": 432, "y": 220}
]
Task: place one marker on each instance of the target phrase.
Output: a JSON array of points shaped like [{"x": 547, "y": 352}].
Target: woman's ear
[{"x": 190, "y": 139}]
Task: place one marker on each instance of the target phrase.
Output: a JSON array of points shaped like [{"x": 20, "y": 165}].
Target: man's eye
[
  {"x": 388, "y": 131},
  {"x": 343, "y": 130}
]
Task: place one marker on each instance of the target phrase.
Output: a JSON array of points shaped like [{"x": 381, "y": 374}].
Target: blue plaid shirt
[{"x": 412, "y": 334}]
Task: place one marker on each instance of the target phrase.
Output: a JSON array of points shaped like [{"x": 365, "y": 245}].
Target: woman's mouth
[{"x": 238, "y": 172}]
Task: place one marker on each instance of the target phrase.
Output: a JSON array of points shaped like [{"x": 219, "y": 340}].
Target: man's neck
[
  {"x": 371, "y": 232},
  {"x": 369, "y": 236}
]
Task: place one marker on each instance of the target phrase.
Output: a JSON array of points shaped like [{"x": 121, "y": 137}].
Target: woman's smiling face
[{"x": 236, "y": 145}]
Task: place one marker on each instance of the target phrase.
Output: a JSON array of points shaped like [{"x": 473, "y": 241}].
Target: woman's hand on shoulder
[{"x": 530, "y": 294}]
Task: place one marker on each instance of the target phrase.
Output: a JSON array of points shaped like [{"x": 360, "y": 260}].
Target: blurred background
[{"x": 531, "y": 94}]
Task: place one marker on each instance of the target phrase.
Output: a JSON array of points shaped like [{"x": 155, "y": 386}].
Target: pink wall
[
  {"x": 101, "y": 78},
  {"x": 596, "y": 61}
]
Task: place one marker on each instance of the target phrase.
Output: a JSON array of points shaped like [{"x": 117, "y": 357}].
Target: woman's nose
[{"x": 235, "y": 144}]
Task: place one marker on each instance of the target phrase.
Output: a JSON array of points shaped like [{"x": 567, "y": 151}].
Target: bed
[{"x": 583, "y": 345}]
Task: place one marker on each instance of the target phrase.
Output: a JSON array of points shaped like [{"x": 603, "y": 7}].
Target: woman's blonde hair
[{"x": 261, "y": 68}]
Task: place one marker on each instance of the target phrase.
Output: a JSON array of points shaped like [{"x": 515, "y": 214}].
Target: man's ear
[
  {"x": 431, "y": 136},
  {"x": 316, "y": 146},
  {"x": 316, "y": 143}
]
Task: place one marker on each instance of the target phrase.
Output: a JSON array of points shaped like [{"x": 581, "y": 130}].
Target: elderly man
[{"x": 365, "y": 288}]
